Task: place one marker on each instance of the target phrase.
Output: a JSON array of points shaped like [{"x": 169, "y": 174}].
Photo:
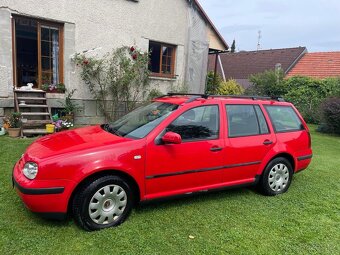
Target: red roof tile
[
  {"x": 317, "y": 65},
  {"x": 241, "y": 65}
]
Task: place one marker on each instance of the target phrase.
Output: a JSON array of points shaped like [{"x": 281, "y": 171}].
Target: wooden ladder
[{"x": 35, "y": 112}]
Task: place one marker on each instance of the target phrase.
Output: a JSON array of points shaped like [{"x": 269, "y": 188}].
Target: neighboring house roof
[
  {"x": 318, "y": 65},
  {"x": 240, "y": 65},
  {"x": 208, "y": 20}
]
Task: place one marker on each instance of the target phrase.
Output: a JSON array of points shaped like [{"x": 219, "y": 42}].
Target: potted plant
[
  {"x": 60, "y": 87},
  {"x": 13, "y": 124},
  {"x": 69, "y": 107},
  {"x": 54, "y": 88}
]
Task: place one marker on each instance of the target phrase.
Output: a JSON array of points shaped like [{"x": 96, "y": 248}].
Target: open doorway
[
  {"x": 38, "y": 47},
  {"x": 26, "y": 38}
]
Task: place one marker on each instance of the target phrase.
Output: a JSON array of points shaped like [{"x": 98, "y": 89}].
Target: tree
[{"x": 233, "y": 47}]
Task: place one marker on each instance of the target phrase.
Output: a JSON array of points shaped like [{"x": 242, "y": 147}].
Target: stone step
[
  {"x": 34, "y": 131},
  {"x": 35, "y": 114},
  {"x": 32, "y": 98},
  {"x": 30, "y": 91},
  {"x": 33, "y": 106},
  {"x": 28, "y": 123}
]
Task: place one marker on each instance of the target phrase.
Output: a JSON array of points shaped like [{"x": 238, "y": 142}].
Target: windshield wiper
[{"x": 108, "y": 128}]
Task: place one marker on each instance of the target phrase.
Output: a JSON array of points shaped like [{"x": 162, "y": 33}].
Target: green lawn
[{"x": 305, "y": 220}]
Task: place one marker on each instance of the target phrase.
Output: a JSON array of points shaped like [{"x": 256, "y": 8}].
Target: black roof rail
[
  {"x": 187, "y": 94},
  {"x": 276, "y": 98},
  {"x": 205, "y": 96}
]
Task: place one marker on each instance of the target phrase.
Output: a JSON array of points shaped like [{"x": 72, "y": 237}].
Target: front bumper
[
  {"x": 37, "y": 191},
  {"x": 48, "y": 197}
]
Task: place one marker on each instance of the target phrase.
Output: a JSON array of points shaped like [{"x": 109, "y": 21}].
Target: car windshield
[{"x": 140, "y": 122}]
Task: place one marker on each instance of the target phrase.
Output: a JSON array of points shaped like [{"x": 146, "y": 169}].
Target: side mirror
[{"x": 171, "y": 137}]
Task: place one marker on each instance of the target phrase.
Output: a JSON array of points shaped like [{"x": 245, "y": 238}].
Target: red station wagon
[{"x": 175, "y": 145}]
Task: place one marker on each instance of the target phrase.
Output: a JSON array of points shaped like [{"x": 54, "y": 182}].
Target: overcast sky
[{"x": 283, "y": 24}]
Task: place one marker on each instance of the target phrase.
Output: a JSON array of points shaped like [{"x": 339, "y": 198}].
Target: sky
[{"x": 314, "y": 24}]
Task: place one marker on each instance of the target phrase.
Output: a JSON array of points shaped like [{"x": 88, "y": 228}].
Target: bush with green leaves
[
  {"x": 307, "y": 94},
  {"x": 213, "y": 83},
  {"x": 268, "y": 83},
  {"x": 330, "y": 115},
  {"x": 230, "y": 87},
  {"x": 120, "y": 77},
  {"x": 154, "y": 93}
]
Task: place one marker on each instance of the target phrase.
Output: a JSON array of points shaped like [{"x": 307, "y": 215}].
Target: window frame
[
  {"x": 257, "y": 119},
  {"x": 199, "y": 139},
  {"x": 173, "y": 60},
  {"x": 302, "y": 127},
  {"x": 40, "y": 23}
]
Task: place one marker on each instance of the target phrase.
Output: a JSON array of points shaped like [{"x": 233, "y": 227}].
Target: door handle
[
  {"x": 216, "y": 149},
  {"x": 267, "y": 142}
]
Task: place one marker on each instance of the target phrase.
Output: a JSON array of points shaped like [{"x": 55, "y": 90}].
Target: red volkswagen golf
[{"x": 175, "y": 145}]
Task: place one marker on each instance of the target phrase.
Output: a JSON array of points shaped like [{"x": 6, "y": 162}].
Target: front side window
[
  {"x": 200, "y": 123},
  {"x": 140, "y": 122},
  {"x": 162, "y": 59},
  {"x": 37, "y": 51},
  {"x": 284, "y": 118},
  {"x": 245, "y": 120}
]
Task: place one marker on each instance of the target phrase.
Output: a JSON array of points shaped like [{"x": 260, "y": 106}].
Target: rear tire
[
  {"x": 276, "y": 177},
  {"x": 103, "y": 203}
]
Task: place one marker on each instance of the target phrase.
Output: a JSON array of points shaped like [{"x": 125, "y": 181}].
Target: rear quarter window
[
  {"x": 284, "y": 118},
  {"x": 245, "y": 120}
]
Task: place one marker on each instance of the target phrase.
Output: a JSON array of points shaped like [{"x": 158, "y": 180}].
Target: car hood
[{"x": 70, "y": 141}]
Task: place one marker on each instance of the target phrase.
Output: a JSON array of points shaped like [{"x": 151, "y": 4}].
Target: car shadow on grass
[{"x": 213, "y": 196}]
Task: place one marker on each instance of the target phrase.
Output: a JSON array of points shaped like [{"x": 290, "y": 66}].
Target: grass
[{"x": 305, "y": 220}]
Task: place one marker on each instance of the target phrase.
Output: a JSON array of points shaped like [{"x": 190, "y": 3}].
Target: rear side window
[
  {"x": 284, "y": 118},
  {"x": 245, "y": 120}
]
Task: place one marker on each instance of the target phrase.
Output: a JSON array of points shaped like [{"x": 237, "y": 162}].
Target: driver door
[{"x": 192, "y": 165}]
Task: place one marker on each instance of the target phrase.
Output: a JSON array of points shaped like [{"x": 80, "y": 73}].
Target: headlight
[{"x": 30, "y": 170}]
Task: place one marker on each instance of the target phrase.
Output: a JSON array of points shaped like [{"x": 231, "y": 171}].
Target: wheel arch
[
  {"x": 285, "y": 155},
  {"x": 128, "y": 178}
]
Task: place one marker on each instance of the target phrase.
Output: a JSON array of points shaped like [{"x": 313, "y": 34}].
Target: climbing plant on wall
[{"x": 119, "y": 78}]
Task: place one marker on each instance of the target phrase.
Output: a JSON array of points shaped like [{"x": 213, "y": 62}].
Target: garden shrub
[
  {"x": 330, "y": 115},
  {"x": 268, "y": 83},
  {"x": 230, "y": 87},
  {"x": 154, "y": 93},
  {"x": 213, "y": 84},
  {"x": 308, "y": 93},
  {"x": 121, "y": 77}
]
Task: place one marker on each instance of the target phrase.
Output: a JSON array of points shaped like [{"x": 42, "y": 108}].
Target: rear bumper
[{"x": 303, "y": 162}]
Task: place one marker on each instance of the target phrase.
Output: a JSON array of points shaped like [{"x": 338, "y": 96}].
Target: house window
[
  {"x": 162, "y": 59},
  {"x": 37, "y": 52}
]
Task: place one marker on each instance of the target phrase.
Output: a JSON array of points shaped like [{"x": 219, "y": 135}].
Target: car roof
[{"x": 182, "y": 99}]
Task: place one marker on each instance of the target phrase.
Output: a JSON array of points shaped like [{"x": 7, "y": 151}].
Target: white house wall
[{"x": 105, "y": 25}]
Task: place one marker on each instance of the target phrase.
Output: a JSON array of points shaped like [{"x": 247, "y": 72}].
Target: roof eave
[{"x": 208, "y": 20}]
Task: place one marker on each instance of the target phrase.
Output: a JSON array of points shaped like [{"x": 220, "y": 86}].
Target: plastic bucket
[{"x": 50, "y": 128}]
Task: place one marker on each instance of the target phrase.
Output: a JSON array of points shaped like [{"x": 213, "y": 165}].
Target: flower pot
[
  {"x": 50, "y": 128},
  {"x": 14, "y": 132}
]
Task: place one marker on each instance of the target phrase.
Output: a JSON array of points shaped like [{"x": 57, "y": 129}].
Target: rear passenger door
[{"x": 248, "y": 141}]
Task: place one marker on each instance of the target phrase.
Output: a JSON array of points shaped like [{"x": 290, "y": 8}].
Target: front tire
[
  {"x": 103, "y": 203},
  {"x": 276, "y": 177}
]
